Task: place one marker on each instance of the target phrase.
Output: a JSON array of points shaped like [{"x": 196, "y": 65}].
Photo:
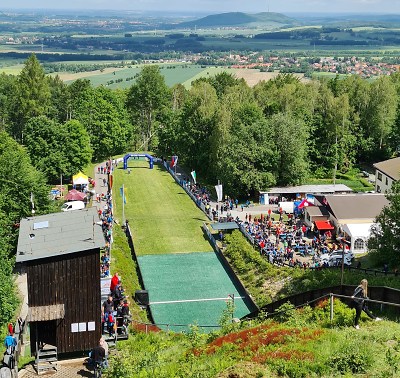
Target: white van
[{"x": 73, "y": 205}]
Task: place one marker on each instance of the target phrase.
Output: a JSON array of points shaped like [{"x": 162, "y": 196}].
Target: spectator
[
  {"x": 358, "y": 302},
  {"x": 10, "y": 343},
  {"x": 114, "y": 281}
]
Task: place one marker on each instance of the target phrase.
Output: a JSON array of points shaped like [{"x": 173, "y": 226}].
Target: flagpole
[
  {"x": 123, "y": 203},
  {"x": 219, "y": 210}
]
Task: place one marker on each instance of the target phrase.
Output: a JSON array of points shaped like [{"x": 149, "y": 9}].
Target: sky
[{"x": 216, "y": 6}]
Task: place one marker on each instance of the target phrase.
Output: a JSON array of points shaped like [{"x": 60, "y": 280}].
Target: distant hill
[{"x": 239, "y": 19}]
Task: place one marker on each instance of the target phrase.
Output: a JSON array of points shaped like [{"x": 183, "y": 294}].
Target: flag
[
  {"x": 193, "y": 173},
  {"x": 218, "y": 189},
  {"x": 33, "y": 203},
  {"x": 174, "y": 161},
  {"x": 122, "y": 191}
]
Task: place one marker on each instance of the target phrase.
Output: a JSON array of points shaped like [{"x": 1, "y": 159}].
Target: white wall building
[{"x": 386, "y": 172}]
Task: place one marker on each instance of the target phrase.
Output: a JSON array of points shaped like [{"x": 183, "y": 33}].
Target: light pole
[{"x": 342, "y": 274}]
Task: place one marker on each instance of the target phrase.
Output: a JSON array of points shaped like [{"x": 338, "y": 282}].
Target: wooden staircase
[{"x": 46, "y": 359}]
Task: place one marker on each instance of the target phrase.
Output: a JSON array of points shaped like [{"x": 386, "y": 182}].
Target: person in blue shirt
[{"x": 10, "y": 343}]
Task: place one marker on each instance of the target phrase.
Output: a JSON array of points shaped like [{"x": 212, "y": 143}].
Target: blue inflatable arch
[{"x": 127, "y": 156}]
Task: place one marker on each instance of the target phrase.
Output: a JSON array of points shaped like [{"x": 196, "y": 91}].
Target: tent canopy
[
  {"x": 324, "y": 225},
  {"x": 74, "y": 195},
  {"x": 305, "y": 203},
  {"x": 80, "y": 179},
  {"x": 358, "y": 230}
]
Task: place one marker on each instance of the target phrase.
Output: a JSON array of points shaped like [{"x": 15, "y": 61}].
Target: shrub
[{"x": 350, "y": 362}]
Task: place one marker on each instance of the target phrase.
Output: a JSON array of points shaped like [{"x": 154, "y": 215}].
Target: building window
[
  {"x": 378, "y": 188},
  {"x": 379, "y": 176},
  {"x": 387, "y": 181},
  {"x": 359, "y": 244}
]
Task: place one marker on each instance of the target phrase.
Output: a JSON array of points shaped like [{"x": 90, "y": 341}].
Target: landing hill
[{"x": 240, "y": 19}]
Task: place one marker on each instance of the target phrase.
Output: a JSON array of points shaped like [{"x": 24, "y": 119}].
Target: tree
[
  {"x": 384, "y": 243},
  {"x": 381, "y": 114},
  {"x": 290, "y": 137},
  {"x": 18, "y": 181},
  {"x": 76, "y": 147},
  {"x": 196, "y": 123},
  {"x": 7, "y": 98},
  {"x": 146, "y": 101},
  {"x": 32, "y": 97},
  {"x": 57, "y": 149},
  {"x": 44, "y": 141},
  {"x": 102, "y": 113},
  {"x": 222, "y": 82}
]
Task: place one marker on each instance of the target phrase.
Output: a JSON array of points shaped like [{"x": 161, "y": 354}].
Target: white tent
[
  {"x": 80, "y": 179},
  {"x": 359, "y": 234}
]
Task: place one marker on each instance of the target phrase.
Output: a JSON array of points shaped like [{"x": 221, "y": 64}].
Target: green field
[
  {"x": 173, "y": 74},
  {"x": 163, "y": 218}
]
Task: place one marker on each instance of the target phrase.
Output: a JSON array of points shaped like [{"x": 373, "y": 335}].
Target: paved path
[{"x": 65, "y": 369}]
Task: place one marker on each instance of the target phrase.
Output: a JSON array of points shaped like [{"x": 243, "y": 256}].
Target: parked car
[
  {"x": 337, "y": 260},
  {"x": 338, "y": 253},
  {"x": 73, "y": 205}
]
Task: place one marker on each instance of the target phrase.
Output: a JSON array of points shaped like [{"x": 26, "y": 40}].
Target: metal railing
[
  {"x": 389, "y": 296},
  {"x": 149, "y": 326},
  {"x": 331, "y": 297}
]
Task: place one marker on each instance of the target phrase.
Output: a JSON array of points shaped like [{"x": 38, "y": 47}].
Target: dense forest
[{"x": 280, "y": 132}]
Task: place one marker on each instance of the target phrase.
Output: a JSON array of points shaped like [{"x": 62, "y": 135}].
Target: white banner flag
[{"x": 218, "y": 189}]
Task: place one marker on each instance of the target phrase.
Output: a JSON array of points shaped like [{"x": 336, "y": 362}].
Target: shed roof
[
  {"x": 317, "y": 211},
  {"x": 356, "y": 206},
  {"x": 312, "y": 189},
  {"x": 59, "y": 234},
  {"x": 224, "y": 226},
  {"x": 390, "y": 168},
  {"x": 45, "y": 313}
]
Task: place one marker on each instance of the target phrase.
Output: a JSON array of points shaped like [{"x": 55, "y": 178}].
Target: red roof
[{"x": 324, "y": 225}]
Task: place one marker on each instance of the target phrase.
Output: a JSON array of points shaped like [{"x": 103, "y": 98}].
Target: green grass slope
[{"x": 162, "y": 216}]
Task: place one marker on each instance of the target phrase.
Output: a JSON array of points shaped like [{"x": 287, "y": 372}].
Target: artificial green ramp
[{"x": 188, "y": 276}]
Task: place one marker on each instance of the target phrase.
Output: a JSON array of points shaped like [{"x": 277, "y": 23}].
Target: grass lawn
[{"x": 162, "y": 217}]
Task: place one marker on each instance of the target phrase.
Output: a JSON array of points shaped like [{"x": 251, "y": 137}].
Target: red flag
[{"x": 174, "y": 161}]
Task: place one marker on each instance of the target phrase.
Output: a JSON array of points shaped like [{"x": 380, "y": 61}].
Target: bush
[{"x": 350, "y": 362}]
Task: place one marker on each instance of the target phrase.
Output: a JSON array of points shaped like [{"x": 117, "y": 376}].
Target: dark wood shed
[{"x": 61, "y": 252}]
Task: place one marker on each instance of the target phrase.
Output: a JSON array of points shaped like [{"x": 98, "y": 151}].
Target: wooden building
[{"x": 61, "y": 252}]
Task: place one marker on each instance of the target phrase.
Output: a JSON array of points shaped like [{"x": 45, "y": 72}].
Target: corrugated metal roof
[
  {"x": 45, "y": 313},
  {"x": 390, "y": 168},
  {"x": 67, "y": 232},
  {"x": 311, "y": 189}
]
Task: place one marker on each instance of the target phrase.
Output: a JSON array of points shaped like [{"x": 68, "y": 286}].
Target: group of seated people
[
  {"x": 280, "y": 241},
  {"x": 115, "y": 310}
]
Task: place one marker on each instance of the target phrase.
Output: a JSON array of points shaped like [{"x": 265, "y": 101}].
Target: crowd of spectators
[
  {"x": 284, "y": 242},
  {"x": 105, "y": 211},
  {"x": 115, "y": 309}
]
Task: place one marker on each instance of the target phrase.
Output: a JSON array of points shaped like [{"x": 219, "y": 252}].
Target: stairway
[{"x": 46, "y": 359}]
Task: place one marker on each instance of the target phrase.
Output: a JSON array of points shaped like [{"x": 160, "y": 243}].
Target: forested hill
[{"x": 239, "y": 18}]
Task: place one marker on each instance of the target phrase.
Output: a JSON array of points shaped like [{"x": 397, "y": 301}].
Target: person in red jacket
[{"x": 114, "y": 281}]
